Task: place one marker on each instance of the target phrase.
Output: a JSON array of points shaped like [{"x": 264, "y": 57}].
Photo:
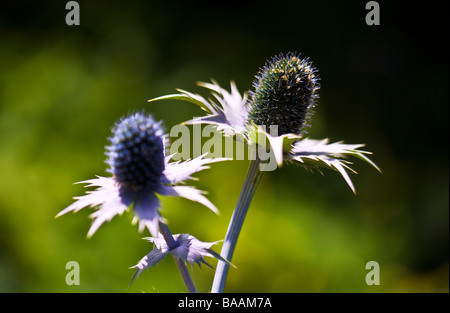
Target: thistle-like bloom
[
  {"x": 187, "y": 248},
  {"x": 278, "y": 110},
  {"x": 141, "y": 170},
  {"x": 285, "y": 92}
]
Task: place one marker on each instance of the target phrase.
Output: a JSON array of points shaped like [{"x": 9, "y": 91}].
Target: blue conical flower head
[
  {"x": 285, "y": 93},
  {"x": 136, "y": 153},
  {"x": 141, "y": 171}
]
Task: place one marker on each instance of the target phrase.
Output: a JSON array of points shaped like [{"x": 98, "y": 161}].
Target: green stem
[
  {"x": 172, "y": 244},
  {"x": 234, "y": 228}
]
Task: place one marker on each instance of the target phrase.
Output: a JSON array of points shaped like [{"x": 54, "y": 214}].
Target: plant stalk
[
  {"x": 172, "y": 244},
  {"x": 234, "y": 228}
]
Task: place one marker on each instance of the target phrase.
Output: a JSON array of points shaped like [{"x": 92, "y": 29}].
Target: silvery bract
[
  {"x": 140, "y": 170},
  {"x": 289, "y": 107},
  {"x": 187, "y": 248}
]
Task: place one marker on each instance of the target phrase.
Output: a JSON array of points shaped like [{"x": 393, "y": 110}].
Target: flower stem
[
  {"x": 185, "y": 274},
  {"x": 234, "y": 228},
  {"x": 172, "y": 244}
]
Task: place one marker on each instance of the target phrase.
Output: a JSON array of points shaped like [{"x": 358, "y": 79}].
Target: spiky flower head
[
  {"x": 136, "y": 153},
  {"x": 285, "y": 93},
  {"x": 140, "y": 170},
  {"x": 187, "y": 248}
]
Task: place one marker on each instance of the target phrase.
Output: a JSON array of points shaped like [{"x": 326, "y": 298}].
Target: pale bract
[
  {"x": 131, "y": 159},
  {"x": 110, "y": 199},
  {"x": 230, "y": 111},
  {"x": 187, "y": 248}
]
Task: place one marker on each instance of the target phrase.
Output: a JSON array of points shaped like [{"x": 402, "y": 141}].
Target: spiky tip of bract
[
  {"x": 285, "y": 91},
  {"x": 136, "y": 153}
]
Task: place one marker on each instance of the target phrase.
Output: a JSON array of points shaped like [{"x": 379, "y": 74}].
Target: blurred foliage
[{"x": 63, "y": 87}]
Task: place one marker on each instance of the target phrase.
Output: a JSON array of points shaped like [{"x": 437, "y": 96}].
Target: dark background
[{"x": 63, "y": 87}]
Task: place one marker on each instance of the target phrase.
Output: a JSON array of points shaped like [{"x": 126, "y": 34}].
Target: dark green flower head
[{"x": 285, "y": 93}]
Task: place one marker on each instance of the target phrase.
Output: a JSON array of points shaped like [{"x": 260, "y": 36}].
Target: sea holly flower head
[
  {"x": 187, "y": 248},
  {"x": 141, "y": 170},
  {"x": 285, "y": 90},
  {"x": 275, "y": 114},
  {"x": 136, "y": 153}
]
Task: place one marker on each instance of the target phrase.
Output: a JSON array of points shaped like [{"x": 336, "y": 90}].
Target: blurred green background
[{"x": 63, "y": 87}]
